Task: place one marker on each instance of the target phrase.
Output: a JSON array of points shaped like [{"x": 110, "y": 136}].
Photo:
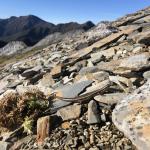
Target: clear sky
[{"x": 61, "y": 11}]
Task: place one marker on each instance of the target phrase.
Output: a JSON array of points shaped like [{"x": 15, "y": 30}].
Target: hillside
[
  {"x": 30, "y": 29},
  {"x": 82, "y": 90}
]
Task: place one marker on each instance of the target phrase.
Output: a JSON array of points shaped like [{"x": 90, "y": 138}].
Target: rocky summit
[{"x": 85, "y": 90}]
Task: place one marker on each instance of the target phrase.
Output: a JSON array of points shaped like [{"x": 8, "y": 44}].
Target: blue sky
[{"x": 61, "y": 11}]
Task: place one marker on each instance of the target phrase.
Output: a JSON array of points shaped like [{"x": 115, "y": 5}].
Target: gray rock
[
  {"x": 146, "y": 75},
  {"x": 93, "y": 116},
  {"x": 131, "y": 116},
  {"x": 137, "y": 49},
  {"x": 31, "y": 72},
  {"x": 24, "y": 89},
  {"x": 69, "y": 91},
  {"x": 69, "y": 112},
  {"x": 86, "y": 70},
  {"x": 110, "y": 99},
  {"x": 144, "y": 38},
  {"x": 46, "y": 81},
  {"x": 5, "y": 145},
  {"x": 73, "y": 90},
  {"x": 103, "y": 117},
  {"x": 12, "y": 48},
  {"x": 101, "y": 76},
  {"x": 136, "y": 62}
]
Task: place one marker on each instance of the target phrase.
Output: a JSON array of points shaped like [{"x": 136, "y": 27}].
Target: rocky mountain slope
[
  {"x": 89, "y": 90},
  {"x": 31, "y": 29},
  {"x": 12, "y": 47},
  {"x": 80, "y": 38}
]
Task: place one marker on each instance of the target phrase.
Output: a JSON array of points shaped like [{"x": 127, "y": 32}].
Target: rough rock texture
[
  {"x": 93, "y": 116},
  {"x": 132, "y": 114},
  {"x": 78, "y": 79},
  {"x": 43, "y": 129},
  {"x": 12, "y": 48},
  {"x": 69, "y": 112}
]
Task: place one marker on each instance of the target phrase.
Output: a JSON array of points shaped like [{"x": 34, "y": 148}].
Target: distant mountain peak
[{"x": 30, "y": 29}]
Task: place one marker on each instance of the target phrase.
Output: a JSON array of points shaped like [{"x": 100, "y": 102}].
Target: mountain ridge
[{"x": 31, "y": 29}]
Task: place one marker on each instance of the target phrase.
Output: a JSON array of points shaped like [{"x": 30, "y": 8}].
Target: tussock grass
[{"x": 15, "y": 109}]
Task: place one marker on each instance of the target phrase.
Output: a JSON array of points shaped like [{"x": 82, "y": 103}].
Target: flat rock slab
[
  {"x": 142, "y": 38},
  {"x": 99, "y": 44},
  {"x": 136, "y": 62},
  {"x": 110, "y": 99},
  {"x": 86, "y": 70},
  {"x": 132, "y": 116},
  {"x": 69, "y": 112},
  {"x": 46, "y": 81},
  {"x": 69, "y": 91},
  {"x": 31, "y": 72},
  {"x": 73, "y": 90}
]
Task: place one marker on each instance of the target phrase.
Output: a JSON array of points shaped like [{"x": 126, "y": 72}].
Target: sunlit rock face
[{"x": 132, "y": 116}]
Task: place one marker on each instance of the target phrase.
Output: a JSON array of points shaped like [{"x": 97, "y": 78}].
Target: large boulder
[{"x": 132, "y": 117}]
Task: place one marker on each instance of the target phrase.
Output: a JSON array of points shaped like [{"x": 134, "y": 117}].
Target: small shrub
[{"x": 15, "y": 109}]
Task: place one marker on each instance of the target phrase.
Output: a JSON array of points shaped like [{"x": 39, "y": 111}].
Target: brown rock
[
  {"x": 56, "y": 71},
  {"x": 65, "y": 125},
  {"x": 69, "y": 112},
  {"x": 43, "y": 129}
]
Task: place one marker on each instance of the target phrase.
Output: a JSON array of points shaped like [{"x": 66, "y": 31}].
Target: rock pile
[{"x": 96, "y": 92}]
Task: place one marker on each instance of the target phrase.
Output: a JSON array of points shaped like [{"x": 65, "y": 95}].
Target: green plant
[{"x": 27, "y": 125}]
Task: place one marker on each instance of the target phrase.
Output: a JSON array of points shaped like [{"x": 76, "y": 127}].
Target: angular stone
[
  {"x": 43, "y": 129},
  {"x": 24, "y": 89},
  {"x": 101, "y": 76},
  {"x": 103, "y": 117},
  {"x": 132, "y": 117},
  {"x": 56, "y": 71},
  {"x": 5, "y": 145},
  {"x": 86, "y": 70},
  {"x": 31, "y": 72},
  {"x": 73, "y": 90},
  {"x": 65, "y": 125},
  {"x": 107, "y": 53},
  {"x": 110, "y": 99},
  {"x": 46, "y": 81},
  {"x": 69, "y": 112},
  {"x": 137, "y": 49},
  {"x": 146, "y": 75},
  {"x": 93, "y": 114},
  {"x": 99, "y": 44},
  {"x": 143, "y": 20},
  {"x": 142, "y": 38},
  {"x": 136, "y": 62}
]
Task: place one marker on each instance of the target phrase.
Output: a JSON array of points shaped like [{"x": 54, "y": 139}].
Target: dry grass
[
  {"x": 16, "y": 57},
  {"x": 14, "y": 109}
]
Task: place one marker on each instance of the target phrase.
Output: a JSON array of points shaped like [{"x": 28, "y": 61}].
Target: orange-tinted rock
[
  {"x": 56, "y": 71},
  {"x": 43, "y": 129},
  {"x": 65, "y": 125},
  {"x": 132, "y": 116}
]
